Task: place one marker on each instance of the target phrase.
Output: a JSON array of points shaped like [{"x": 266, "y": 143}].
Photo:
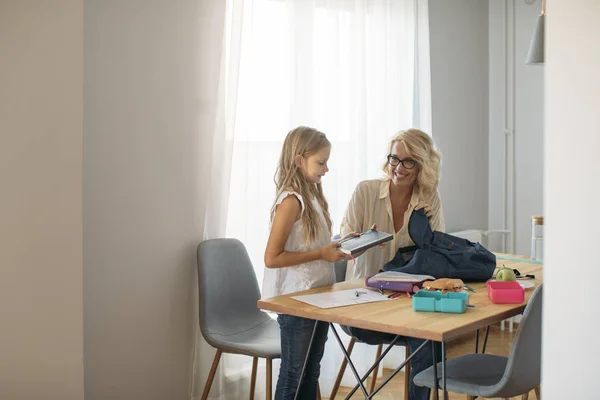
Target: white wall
[
  {"x": 459, "y": 89},
  {"x": 527, "y": 117},
  {"x": 41, "y": 333},
  {"x": 468, "y": 67},
  {"x": 141, "y": 185},
  {"x": 571, "y": 357}
]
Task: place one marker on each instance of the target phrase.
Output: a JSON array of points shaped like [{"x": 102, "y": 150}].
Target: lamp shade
[{"x": 535, "y": 56}]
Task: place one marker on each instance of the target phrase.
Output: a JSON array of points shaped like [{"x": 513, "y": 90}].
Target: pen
[
  {"x": 357, "y": 293},
  {"x": 469, "y": 288},
  {"x": 528, "y": 276}
]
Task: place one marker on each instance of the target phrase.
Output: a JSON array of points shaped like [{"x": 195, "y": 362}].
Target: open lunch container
[
  {"x": 451, "y": 302},
  {"x": 505, "y": 292}
]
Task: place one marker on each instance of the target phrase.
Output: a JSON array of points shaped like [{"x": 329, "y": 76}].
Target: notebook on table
[{"x": 365, "y": 241}]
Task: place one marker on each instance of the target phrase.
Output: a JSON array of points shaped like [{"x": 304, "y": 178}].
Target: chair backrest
[
  {"x": 340, "y": 270},
  {"x": 340, "y": 266},
  {"x": 227, "y": 286},
  {"x": 523, "y": 370}
]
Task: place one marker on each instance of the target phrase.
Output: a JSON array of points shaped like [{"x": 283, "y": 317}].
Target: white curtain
[
  {"x": 220, "y": 41},
  {"x": 357, "y": 70}
]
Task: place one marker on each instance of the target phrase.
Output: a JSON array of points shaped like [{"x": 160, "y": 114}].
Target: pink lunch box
[{"x": 505, "y": 292}]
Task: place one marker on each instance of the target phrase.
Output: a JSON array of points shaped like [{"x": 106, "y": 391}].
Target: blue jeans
[
  {"x": 295, "y": 338},
  {"x": 421, "y": 361}
]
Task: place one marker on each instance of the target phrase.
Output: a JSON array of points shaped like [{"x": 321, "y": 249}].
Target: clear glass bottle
[{"x": 537, "y": 237}]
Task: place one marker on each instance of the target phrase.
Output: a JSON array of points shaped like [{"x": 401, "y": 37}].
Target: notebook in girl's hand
[{"x": 365, "y": 241}]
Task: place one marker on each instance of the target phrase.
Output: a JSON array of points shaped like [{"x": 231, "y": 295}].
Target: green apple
[{"x": 505, "y": 274}]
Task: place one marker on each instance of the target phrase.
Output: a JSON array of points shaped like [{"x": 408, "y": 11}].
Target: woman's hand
[
  {"x": 382, "y": 245},
  {"x": 426, "y": 207},
  {"x": 349, "y": 236},
  {"x": 331, "y": 252}
]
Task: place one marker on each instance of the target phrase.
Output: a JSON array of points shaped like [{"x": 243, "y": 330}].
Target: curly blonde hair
[
  {"x": 422, "y": 149},
  {"x": 302, "y": 141}
]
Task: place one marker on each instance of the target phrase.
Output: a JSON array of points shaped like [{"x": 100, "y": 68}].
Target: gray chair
[
  {"x": 340, "y": 276},
  {"x": 229, "y": 318},
  {"x": 487, "y": 375}
]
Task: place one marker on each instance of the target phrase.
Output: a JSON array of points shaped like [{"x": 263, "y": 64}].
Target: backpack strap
[
  {"x": 398, "y": 260},
  {"x": 406, "y": 249}
]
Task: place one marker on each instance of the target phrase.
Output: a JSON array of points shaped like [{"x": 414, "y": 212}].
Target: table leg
[
  {"x": 379, "y": 359},
  {"x": 444, "y": 370},
  {"x": 386, "y": 380},
  {"x": 360, "y": 382},
  {"x": 435, "y": 375},
  {"x": 487, "y": 332},
  {"x": 306, "y": 360}
]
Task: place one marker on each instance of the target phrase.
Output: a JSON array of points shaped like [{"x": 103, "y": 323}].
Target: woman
[
  {"x": 411, "y": 183},
  {"x": 412, "y": 173}
]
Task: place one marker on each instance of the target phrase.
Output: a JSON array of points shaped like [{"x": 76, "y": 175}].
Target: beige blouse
[{"x": 370, "y": 204}]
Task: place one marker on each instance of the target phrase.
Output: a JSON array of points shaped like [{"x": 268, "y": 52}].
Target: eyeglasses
[{"x": 407, "y": 163}]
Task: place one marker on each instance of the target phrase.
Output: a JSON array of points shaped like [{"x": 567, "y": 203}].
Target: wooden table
[{"x": 397, "y": 316}]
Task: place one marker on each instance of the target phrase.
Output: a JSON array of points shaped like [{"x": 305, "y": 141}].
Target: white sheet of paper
[{"x": 341, "y": 298}]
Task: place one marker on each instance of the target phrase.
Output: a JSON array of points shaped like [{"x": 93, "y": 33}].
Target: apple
[{"x": 505, "y": 274}]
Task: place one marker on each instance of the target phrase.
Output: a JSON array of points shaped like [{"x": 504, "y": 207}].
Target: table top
[{"x": 397, "y": 316}]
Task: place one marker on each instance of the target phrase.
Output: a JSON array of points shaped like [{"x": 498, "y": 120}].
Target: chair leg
[
  {"x": 253, "y": 379},
  {"x": 211, "y": 375},
  {"x": 432, "y": 394},
  {"x": 318, "y": 392},
  {"x": 338, "y": 379},
  {"x": 374, "y": 378},
  {"x": 407, "y": 375},
  {"x": 269, "y": 387},
  {"x": 469, "y": 397},
  {"x": 537, "y": 393},
  {"x": 525, "y": 396}
]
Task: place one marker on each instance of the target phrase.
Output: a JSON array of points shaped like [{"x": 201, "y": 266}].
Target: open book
[
  {"x": 365, "y": 241},
  {"x": 400, "y": 277}
]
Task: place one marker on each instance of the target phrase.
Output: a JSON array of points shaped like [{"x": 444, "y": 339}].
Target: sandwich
[{"x": 445, "y": 285}]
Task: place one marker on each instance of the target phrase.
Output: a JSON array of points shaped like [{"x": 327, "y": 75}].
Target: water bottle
[{"x": 537, "y": 237}]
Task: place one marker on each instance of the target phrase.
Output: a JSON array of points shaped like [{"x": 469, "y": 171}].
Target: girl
[{"x": 300, "y": 254}]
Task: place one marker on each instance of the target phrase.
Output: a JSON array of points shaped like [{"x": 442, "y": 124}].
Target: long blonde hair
[
  {"x": 302, "y": 141},
  {"x": 422, "y": 149}
]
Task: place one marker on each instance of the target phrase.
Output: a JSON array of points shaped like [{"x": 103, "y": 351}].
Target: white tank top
[{"x": 279, "y": 281}]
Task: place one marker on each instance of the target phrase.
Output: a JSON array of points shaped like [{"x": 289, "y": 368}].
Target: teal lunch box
[{"x": 450, "y": 302}]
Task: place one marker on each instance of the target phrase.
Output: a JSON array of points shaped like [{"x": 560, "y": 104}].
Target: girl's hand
[
  {"x": 426, "y": 207},
  {"x": 331, "y": 253}
]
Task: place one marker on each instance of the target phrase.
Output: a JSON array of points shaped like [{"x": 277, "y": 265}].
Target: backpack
[{"x": 442, "y": 255}]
